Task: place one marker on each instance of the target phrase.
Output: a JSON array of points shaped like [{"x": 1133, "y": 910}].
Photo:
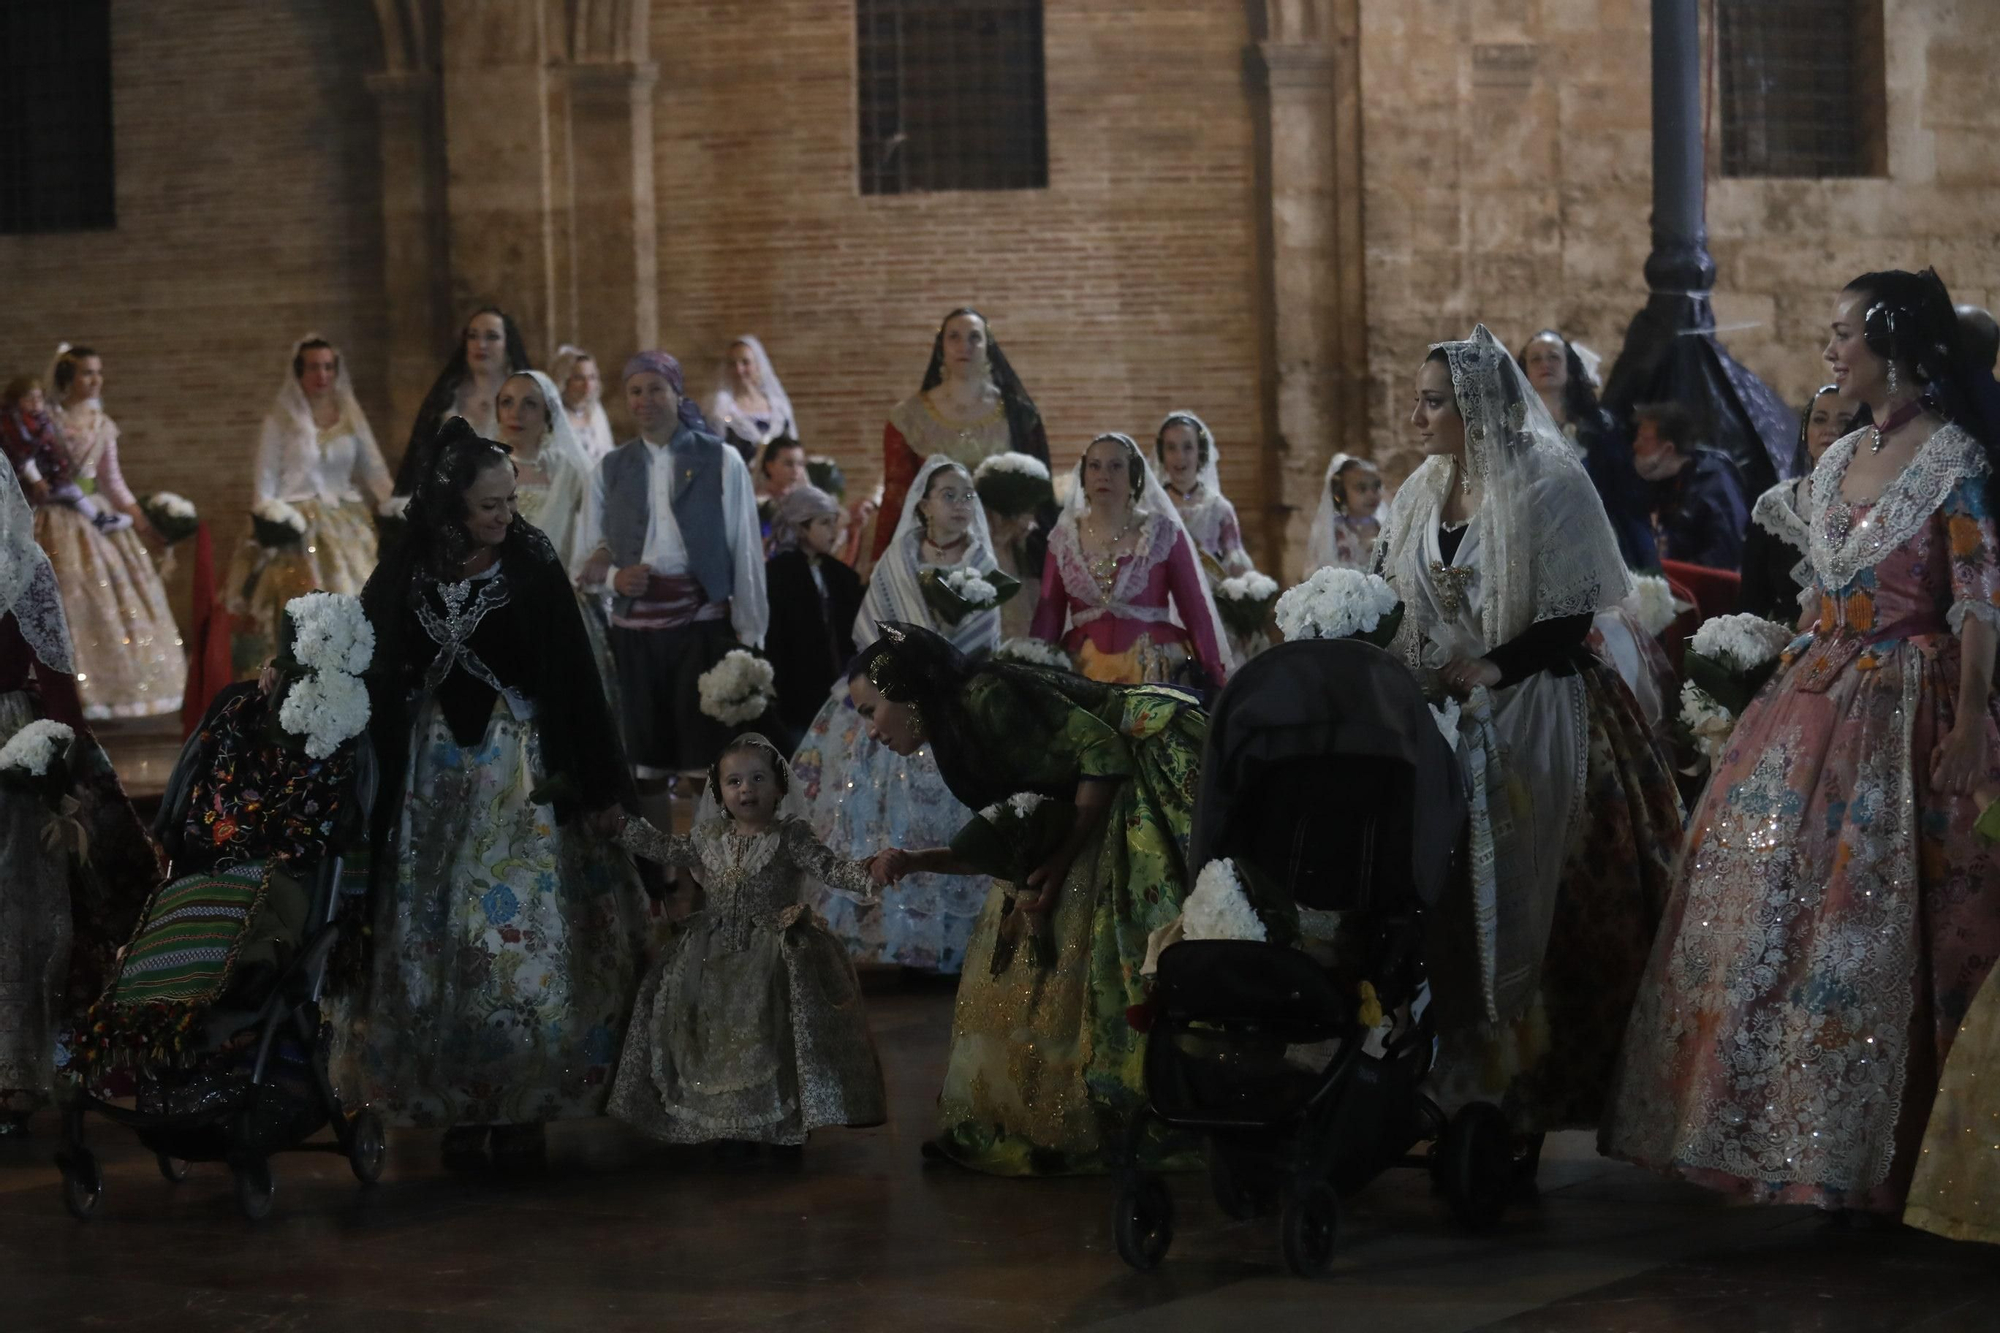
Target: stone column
[
  {"x": 501, "y": 188},
  {"x": 1316, "y": 326},
  {"x": 616, "y": 246},
  {"x": 416, "y": 251}
]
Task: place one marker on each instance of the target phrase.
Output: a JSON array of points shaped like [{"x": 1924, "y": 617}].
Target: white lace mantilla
[
  {"x": 1841, "y": 545},
  {"x": 1156, "y": 543},
  {"x": 1777, "y": 512}
]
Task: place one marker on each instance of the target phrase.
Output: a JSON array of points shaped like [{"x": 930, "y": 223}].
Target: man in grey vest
[{"x": 672, "y": 520}]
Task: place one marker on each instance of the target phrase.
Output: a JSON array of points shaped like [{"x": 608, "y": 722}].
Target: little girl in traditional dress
[
  {"x": 750, "y": 1026},
  {"x": 1345, "y": 529}
]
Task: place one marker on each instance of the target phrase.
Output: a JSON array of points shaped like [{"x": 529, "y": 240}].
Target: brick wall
[
  {"x": 248, "y": 212},
  {"x": 1125, "y": 289},
  {"x": 1509, "y": 173}
]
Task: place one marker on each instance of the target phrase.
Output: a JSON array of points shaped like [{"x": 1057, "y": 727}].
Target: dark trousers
[{"x": 658, "y": 671}]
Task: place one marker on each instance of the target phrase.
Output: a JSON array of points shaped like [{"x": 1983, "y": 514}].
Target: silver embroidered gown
[{"x": 750, "y": 1026}]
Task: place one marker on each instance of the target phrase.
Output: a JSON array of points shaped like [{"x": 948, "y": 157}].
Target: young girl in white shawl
[
  {"x": 861, "y": 796},
  {"x": 1501, "y": 554},
  {"x": 1348, "y": 522},
  {"x": 750, "y": 1026}
]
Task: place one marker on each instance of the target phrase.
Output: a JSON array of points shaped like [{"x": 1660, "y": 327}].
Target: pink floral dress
[{"x": 1833, "y": 915}]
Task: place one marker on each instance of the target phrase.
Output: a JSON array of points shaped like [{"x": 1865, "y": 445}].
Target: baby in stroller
[
  {"x": 1289, "y": 1023},
  {"x": 212, "y": 1018}
]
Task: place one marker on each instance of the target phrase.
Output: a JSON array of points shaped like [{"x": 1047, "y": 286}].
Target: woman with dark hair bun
[
  {"x": 970, "y": 406},
  {"x": 1566, "y": 384},
  {"x": 1833, "y": 915},
  {"x": 506, "y": 929},
  {"x": 490, "y": 349}
]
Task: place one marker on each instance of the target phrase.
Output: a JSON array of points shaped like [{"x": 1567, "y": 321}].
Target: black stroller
[
  {"x": 260, "y": 1084},
  {"x": 1257, "y": 1047}
]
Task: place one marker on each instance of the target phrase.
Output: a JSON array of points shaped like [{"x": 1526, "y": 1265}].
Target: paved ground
[{"x": 620, "y": 1234}]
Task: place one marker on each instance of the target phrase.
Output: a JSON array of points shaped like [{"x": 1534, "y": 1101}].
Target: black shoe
[
  {"x": 520, "y": 1145},
  {"x": 464, "y": 1146}
]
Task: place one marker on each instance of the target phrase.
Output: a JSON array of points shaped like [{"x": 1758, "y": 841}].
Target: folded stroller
[
  {"x": 248, "y": 1075},
  {"x": 1326, "y": 780}
]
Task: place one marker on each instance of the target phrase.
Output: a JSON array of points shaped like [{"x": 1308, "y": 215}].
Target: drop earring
[{"x": 1892, "y": 379}]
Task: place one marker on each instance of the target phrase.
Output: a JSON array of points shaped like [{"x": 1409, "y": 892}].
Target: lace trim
[
  {"x": 464, "y": 608},
  {"x": 1777, "y": 512},
  {"x": 1978, "y": 610},
  {"x": 39, "y": 613},
  {"x": 1843, "y": 545},
  {"x": 1156, "y": 543}
]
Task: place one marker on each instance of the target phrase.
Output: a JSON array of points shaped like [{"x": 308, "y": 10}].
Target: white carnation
[
  {"x": 1741, "y": 642},
  {"x": 172, "y": 505},
  {"x": 34, "y": 747},
  {"x": 971, "y": 589},
  {"x": 1020, "y": 805},
  {"x": 1012, "y": 462},
  {"x": 1335, "y": 604},
  {"x": 332, "y": 632},
  {"x": 738, "y": 689},
  {"x": 1250, "y": 587},
  {"x": 1033, "y": 652},
  {"x": 277, "y": 511},
  {"x": 1652, "y": 603},
  {"x": 1218, "y": 909},
  {"x": 328, "y": 708},
  {"x": 1707, "y": 720}
]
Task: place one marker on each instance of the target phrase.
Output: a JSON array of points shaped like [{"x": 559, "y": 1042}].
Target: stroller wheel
[
  {"x": 175, "y": 1169},
  {"x": 256, "y": 1188},
  {"x": 83, "y": 1182},
  {"x": 1143, "y": 1222},
  {"x": 1476, "y": 1165},
  {"x": 1309, "y": 1227},
  {"x": 367, "y": 1147}
]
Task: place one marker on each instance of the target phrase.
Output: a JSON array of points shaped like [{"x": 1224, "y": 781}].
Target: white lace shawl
[
  {"x": 1777, "y": 512},
  {"x": 1160, "y": 527},
  {"x": 290, "y": 462},
  {"x": 1840, "y": 547},
  {"x": 568, "y": 469},
  {"x": 28, "y": 582},
  {"x": 723, "y": 411},
  {"x": 896, "y": 590},
  {"x": 1546, "y": 547}
]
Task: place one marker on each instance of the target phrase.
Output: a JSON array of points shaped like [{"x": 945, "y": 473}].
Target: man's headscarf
[{"x": 656, "y": 362}]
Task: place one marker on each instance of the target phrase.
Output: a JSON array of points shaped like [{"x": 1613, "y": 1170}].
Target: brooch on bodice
[{"x": 1451, "y": 582}]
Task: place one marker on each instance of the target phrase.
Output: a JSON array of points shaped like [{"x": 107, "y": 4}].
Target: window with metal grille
[
  {"x": 55, "y": 116},
  {"x": 951, "y": 95},
  {"x": 1802, "y": 87}
]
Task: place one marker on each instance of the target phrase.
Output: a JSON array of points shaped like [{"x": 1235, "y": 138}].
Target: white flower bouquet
[
  {"x": 1034, "y": 652},
  {"x": 277, "y": 525},
  {"x": 36, "y": 760},
  {"x": 1652, "y": 603},
  {"x": 330, "y": 632},
  {"x": 1245, "y": 602},
  {"x": 325, "y": 710},
  {"x": 173, "y": 517},
  {"x": 1012, "y": 484},
  {"x": 1341, "y": 604},
  {"x": 959, "y": 592},
  {"x": 740, "y": 688},
  {"x": 1726, "y": 663},
  {"x": 1219, "y": 908}
]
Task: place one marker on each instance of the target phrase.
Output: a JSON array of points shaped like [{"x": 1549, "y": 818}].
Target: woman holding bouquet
[
  {"x": 129, "y": 659},
  {"x": 316, "y": 453},
  {"x": 1834, "y": 914},
  {"x": 1502, "y": 554},
  {"x": 505, "y": 942},
  {"x": 1122, "y": 590},
  {"x": 1044, "y": 1070},
  {"x": 859, "y": 793}
]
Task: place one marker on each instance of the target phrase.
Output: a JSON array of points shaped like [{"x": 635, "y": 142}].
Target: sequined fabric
[
  {"x": 504, "y": 954},
  {"x": 336, "y": 555},
  {"x": 750, "y": 1026},
  {"x": 128, "y": 654},
  {"x": 1832, "y": 918},
  {"x": 1956, "y": 1191}
]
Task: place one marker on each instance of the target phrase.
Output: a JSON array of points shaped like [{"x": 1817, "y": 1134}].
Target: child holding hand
[{"x": 750, "y": 1027}]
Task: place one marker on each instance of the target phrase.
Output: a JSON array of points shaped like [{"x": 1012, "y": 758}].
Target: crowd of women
[{"x": 1784, "y": 994}]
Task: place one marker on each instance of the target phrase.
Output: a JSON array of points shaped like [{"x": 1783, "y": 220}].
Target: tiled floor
[{"x": 619, "y": 1234}]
